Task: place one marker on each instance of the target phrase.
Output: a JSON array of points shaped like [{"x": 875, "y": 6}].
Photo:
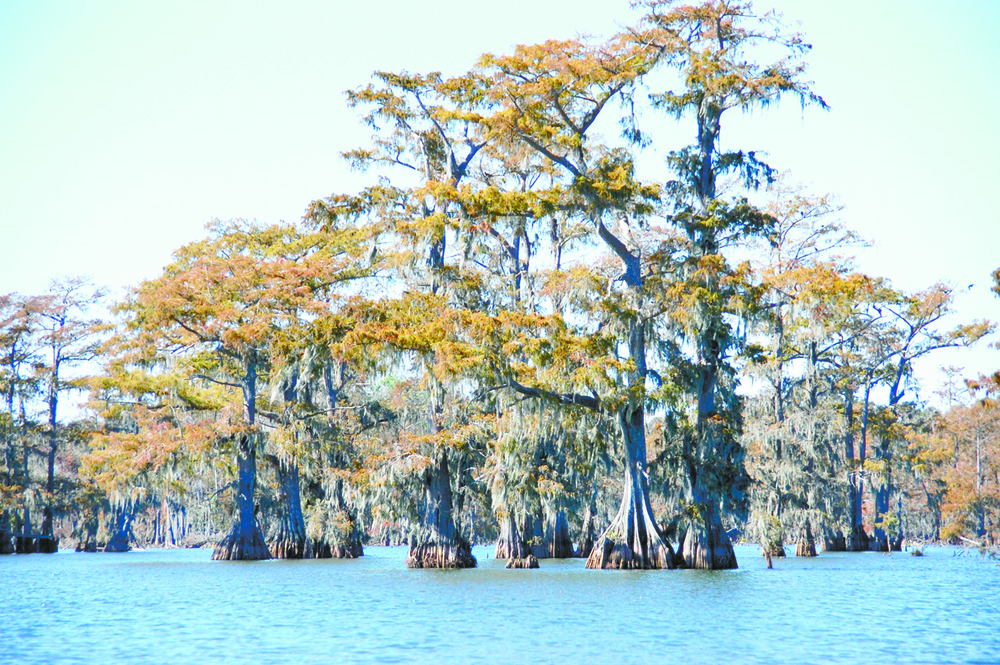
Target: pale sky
[{"x": 126, "y": 126}]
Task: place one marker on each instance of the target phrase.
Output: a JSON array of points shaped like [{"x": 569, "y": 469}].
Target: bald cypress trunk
[
  {"x": 706, "y": 542},
  {"x": 834, "y": 541},
  {"x": 437, "y": 543},
  {"x": 857, "y": 539},
  {"x": 6, "y": 536},
  {"x": 289, "y": 541},
  {"x": 633, "y": 540},
  {"x": 511, "y": 545},
  {"x": 806, "y": 545},
  {"x": 548, "y": 534},
  {"x": 557, "y": 542},
  {"x": 341, "y": 538},
  {"x": 245, "y": 541},
  {"x": 121, "y": 536},
  {"x": 588, "y": 534},
  {"x": 88, "y": 537}
]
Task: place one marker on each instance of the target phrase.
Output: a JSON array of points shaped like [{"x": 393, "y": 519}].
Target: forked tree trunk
[
  {"x": 290, "y": 539},
  {"x": 511, "y": 546},
  {"x": 245, "y": 542},
  {"x": 633, "y": 539},
  {"x": 438, "y": 544}
]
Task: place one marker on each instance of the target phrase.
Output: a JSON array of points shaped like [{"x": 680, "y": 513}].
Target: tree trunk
[
  {"x": 558, "y": 544},
  {"x": 548, "y": 535},
  {"x": 245, "y": 542},
  {"x": 511, "y": 546},
  {"x": 834, "y": 541},
  {"x": 806, "y": 546},
  {"x": 588, "y": 533},
  {"x": 857, "y": 539},
  {"x": 341, "y": 537},
  {"x": 24, "y": 542},
  {"x": 50, "y": 489},
  {"x": 437, "y": 544},
  {"x": 706, "y": 543},
  {"x": 880, "y": 540},
  {"x": 119, "y": 541},
  {"x": 290, "y": 540},
  {"x": 88, "y": 540},
  {"x": 6, "y": 537},
  {"x": 633, "y": 539}
]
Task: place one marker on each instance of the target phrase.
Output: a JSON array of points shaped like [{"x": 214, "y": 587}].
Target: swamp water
[{"x": 170, "y": 606}]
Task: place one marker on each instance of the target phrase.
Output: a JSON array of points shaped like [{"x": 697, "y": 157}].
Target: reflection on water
[{"x": 178, "y": 606}]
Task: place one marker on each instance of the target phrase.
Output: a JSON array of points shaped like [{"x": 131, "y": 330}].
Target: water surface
[{"x": 163, "y": 606}]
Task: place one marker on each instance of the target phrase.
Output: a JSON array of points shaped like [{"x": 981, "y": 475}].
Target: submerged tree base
[
  {"x": 242, "y": 546},
  {"x": 707, "y": 546},
  {"x": 633, "y": 541},
  {"x": 48, "y": 544},
  {"x": 529, "y": 561},
  {"x": 805, "y": 548},
  {"x": 88, "y": 545},
  {"x": 25, "y": 545},
  {"x": 288, "y": 548},
  {"x": 431, "y": 555},
  {"x": 350, "y": 548},
  {"x": 610, "y": 555},
  {"x": 834, "y": 543}
]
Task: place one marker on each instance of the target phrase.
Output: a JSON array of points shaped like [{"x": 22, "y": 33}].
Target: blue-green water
[{"x": 168, "y": 606}]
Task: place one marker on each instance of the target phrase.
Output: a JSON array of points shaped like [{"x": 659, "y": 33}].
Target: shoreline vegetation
[{"x": 516, "y": 334}]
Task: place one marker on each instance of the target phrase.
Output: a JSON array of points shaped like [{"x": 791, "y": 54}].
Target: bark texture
[
  {"x": 437, "y": 544},
  {"x": 555, "y": 540},
  {"x": 706, "y": 543},
  {"x": 806, "y": 545},
  {"x": 633, "y": 540},
  {"x": 289, "y": 541},
  {"x": 245, "y": 542},
  {"x": 527, "y": 562},
  {"x": 510, "y": 544}
]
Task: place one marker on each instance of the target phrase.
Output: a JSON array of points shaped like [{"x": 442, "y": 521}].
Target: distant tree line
[{"x": 514, "y": 335}]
